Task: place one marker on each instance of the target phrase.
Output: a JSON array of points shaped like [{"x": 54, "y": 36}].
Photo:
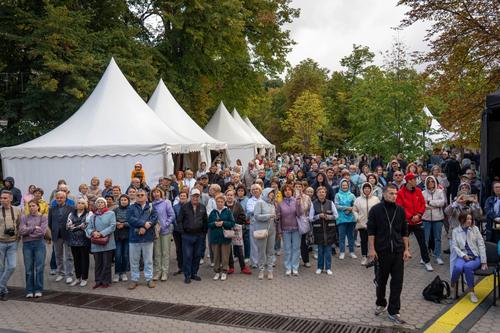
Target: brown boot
[
  {"x": 132, "y": 285},
  {"x": 151, "y": 284}
]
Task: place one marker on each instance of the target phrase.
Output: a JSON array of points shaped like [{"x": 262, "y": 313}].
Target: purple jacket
[
  {"x": 288, "y": 211},
  {"x": 166, "y": 215}
]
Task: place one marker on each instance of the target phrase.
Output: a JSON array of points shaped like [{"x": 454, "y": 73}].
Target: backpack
[{"x": 437, "y": 290}]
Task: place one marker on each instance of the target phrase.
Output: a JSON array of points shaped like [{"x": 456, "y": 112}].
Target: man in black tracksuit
[{"x": 388, "y": 241}]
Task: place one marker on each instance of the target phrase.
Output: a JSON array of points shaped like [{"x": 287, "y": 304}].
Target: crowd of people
[{"x": 293, "y": 205}]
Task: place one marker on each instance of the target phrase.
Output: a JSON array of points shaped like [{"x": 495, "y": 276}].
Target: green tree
[{"x": 303, "y": 122}]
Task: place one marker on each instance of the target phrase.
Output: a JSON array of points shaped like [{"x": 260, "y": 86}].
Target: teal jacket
[
  {"x": 216, "y": 233},
  {"x": 344, "y": 200}
]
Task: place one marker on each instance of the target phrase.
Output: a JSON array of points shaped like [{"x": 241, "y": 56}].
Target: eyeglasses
[
  {"x": 398, "y": 175},
  {"x": 141, "y": 195}
]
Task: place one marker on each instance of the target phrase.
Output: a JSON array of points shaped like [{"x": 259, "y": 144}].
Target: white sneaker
[
  {"x": 357, "y": 243},
  {"x": 315, "y": 256},
  {"x": 307, "y": 264},
  {"x": 428, "y": 267},
  {"x": 288, "y": 273},
  {"x": 247, "y": 260},
  {"x": 295, "y": 273},
  {"x": 439, "y": 261},
  {"x": 83, "y": 283},
  {"x": 341, "y": 255},
  {"x": 329, "y": 272},
  {"x": 216, "y": 276},
  {"x": 212, "y": 264},
  {"x": 116, "y": 278},
  {"x": 124, "y": 277},
  {"x": 261, "y": 275},
  {"x": 75, "y": 282},
  {"x": 69, "y": 280},
  {"x": 30, "y": 295},
  {"x": 353, "y": 255},
  {"x": 223, "y": 277},
  {"x": 364, "y": 261},
  {"x": 318, "y": 271},
  {"x": 38, "y": 294},
  {"x": 59, "y": 278},
  {"x": 202, "y": 261},
  {"x": 422, "y": 262},
  {"x": 473, "y": 297}
]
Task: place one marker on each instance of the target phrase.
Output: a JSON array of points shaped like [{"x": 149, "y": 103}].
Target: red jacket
[{"x": 413, "y": 203}]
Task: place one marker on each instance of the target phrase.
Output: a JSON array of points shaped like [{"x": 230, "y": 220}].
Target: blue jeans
[
  {"x": 466, "y": 267},
  {"x": 191, "y": 250},
  {"x": 135, "y": 250},
  {"x": 324, "y": 257},
  {"x": 346, "y": 229},
  {"x": 122, "y": 262},
  {"x": 435, "y": 227},
  {"x": 8, "y": 259},
  {"x": 291, "y": 243},
  {"x": 34, "y": 264}
]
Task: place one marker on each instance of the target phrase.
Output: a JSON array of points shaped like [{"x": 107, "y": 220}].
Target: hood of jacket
[
  {"x": 371, "y": 190},
  {"x": 265, "y": 195},
  {"x": 348, "y": 186},
  {"x": 435, "y": 183},
  {"x": 467, "y": 189},
  {"x": 9, "y": 179}
]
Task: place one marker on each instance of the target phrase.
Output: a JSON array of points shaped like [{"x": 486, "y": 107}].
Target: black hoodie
[
  {"x": 388, "y": 237},
  {"x": 16, "y": 193}
]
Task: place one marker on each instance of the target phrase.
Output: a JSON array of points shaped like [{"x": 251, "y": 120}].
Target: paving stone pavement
[
  {"x": 490, "y": 322},
  {"x": 347, "y": 296},
  {"x": 39, "y": 317}
]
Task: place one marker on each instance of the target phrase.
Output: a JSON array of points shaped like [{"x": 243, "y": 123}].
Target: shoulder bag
[
  {"x": 101, "y": 241},
  {"x": 228, "y": 233}
]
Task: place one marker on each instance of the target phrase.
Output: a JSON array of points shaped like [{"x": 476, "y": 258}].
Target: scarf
[{"x": 101, "y": 212}]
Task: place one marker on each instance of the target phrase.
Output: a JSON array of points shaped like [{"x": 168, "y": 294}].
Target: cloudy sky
[{"x": 327, "y": 29}]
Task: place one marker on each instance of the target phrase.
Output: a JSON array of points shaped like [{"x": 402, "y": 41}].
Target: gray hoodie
[{"x": 264, "y": 210}]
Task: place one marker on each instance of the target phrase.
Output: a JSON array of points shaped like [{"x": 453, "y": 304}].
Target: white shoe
[
  {"x": 212, "y": 264},
  {"x": 288, "y": 273},
  {"x": 261, "y": 275},
  {"x": 422, "y": 262},
  {"x": 75, "y": 282},
  {"x": 59, "y": 278},
  {"x": 428, "y": 267},
  {"x": 473, "y": 297},
  {"x": 124, "y": 277},
  {"x": 315, "y": 256},
  {"x": 83, "y": 283},
  {"x": 116, "y": 278},
  {"x": 357, "y": 243},
  {"x": 216, "y": 276},
  {"x": 364, "y": 261},
  {"x": 307, "y": 264},
  {"x": 353, "y": 255},
  {"x": 318, "y": 271},
  {"x": 53, "y": 271},
  {"x": 341, "y": 255},
  {"x": 247, "y": 260},
  {"x": 439, "y": 261},
  {"x": 69, "y": 280},
  {"x": 223, "y": 277},
  {"x": 295, "y": 273},
  {"x": 38, "y": 294},
  {"x": 329, "y": 272},
  {"x": 202, "y": 261},
  {"x": 30, "y": 295}
]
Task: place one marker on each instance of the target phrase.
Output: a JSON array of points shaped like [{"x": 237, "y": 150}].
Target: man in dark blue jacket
[{"x": 142, "y": 219}]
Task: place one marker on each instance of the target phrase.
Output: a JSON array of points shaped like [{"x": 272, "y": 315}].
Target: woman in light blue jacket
[
  {"x": 264, "y": 215},
  {"x": 101, "y": 224},
  {"x": 344, "y": 202}
]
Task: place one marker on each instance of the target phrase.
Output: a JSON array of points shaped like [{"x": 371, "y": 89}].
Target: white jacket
[
  {"x": 362, "y": 206},
  {"x": 435, "y": 201},
  {"x": 474, "y": 239}
]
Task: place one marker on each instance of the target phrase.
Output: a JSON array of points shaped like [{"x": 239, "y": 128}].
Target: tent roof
[
  {"x": 247, "y": 129},
  {"x": 437, "y": 133},
  {"x": 173, "y": 115},
  {"x": 104, "y": 126},
  {"x": 224, "y": 128},
  {"x": 256, "y": 131}
]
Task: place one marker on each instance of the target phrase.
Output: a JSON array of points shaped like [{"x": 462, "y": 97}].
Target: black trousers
[
  {"x": 363, "y": 234},
  {"x": 81, "y": 261},
  {"x": 103, "y": 261},
  {"x": 304, "y": 249},
  {"x": 178, "y": 249},
  {"x": 390, "y": 264},
  {"x": 418, "y": 230},
  {"x": 238, "y": 252}
]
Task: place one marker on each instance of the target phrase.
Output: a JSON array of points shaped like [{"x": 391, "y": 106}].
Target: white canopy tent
[
  {"x": 245, "y": 127},
  {"x": 436, "y": 133},
  {"x": 223, "y": 127},
  {"x": 263, "y": 139},
  {"x": 173, "y": 115},
  {"x": 111, "y": 131}
]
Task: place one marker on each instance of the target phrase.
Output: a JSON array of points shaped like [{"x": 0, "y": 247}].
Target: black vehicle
[{"x": 490, "y": 143}]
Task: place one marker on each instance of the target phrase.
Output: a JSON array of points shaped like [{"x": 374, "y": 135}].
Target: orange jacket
[
  {"x": 138, "y": 174},
  {"x": 413, "y": 203}
]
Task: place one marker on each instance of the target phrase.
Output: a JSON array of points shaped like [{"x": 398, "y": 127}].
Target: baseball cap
[{"x": 195, "y": 191}]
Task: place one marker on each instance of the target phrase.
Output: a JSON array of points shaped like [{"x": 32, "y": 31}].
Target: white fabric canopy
[
  {"x": 256, "y": 131},
  {"x": 245, "y": 127},
  {"x": 173, "y": 116},
  {"x": 223, "y": 127},
  {"x": 112, "y": 130},
  {"x": 436, "y": 133}
]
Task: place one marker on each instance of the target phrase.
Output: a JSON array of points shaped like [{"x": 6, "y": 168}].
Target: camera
[
  {"x": 371, "y": 264},
  {"x": 10, "y": 232}
]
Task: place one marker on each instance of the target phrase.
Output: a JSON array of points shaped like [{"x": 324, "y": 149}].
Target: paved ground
[
  {"x": 346, "y": 296},
  {"x": 490, "y": 322}
]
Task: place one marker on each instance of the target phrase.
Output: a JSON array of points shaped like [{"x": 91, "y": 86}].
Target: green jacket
[{"x": 216, "y": 233}]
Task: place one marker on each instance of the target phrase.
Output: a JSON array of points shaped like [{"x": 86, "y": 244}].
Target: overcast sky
[{"x": 327, "y": 29}]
